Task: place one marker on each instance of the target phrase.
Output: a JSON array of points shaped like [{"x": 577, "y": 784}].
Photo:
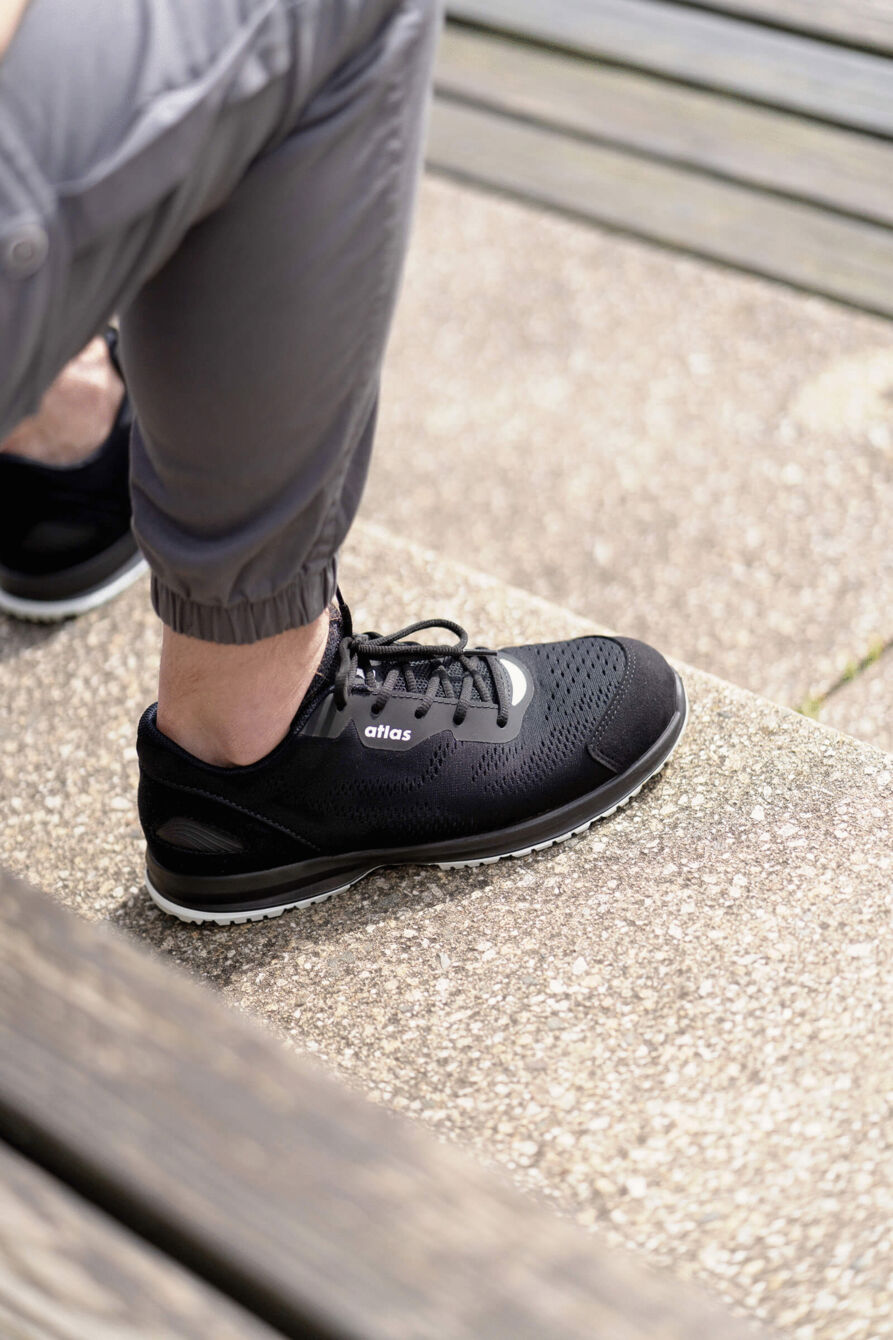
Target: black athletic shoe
[
  {"x": 404, "y": 754},
  {"x": 65, "y": 540}
]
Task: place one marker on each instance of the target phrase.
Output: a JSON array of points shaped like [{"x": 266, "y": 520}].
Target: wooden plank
[
  {"x": 781, "y": 239},
  {"x": 708, "y": 50},
  {"x": 861, "y": 23},
  {"x": 321, "y": 1213},
  {"x": 68, "y": 1272},
  {"x": 769, "y": 149}
]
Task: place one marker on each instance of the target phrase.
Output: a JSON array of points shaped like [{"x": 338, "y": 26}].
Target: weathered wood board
[
  {"x": 708, "y": 50},
  {"x": 773, "y": 151},
  {"x": 801, "y": 245},
  {"x": 858, "y": 23},
  {"x": 322, "y": 1214},
  {"x": 69, "y": 1272}
]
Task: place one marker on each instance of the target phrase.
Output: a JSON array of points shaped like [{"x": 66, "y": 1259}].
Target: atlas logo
[{"x": 387, "y": 733}]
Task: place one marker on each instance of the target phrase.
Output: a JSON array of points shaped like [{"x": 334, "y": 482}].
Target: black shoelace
[{"x": 356, "y": 653}]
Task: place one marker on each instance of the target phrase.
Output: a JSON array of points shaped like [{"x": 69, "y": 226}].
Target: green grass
[{"x": 813, "y": 703}]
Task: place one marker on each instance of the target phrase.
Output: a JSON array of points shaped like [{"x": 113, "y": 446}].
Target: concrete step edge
[{"x": 569, "y": 623}]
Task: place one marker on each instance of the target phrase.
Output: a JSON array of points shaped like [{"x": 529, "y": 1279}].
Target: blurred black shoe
[{"x": 65, "y": 540}]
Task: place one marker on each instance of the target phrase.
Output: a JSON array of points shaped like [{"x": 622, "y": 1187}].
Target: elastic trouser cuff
[{"x": 296, "y": 605}]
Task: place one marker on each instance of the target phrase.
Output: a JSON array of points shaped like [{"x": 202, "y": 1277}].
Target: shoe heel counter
[
  {"x": 193, "y": 832},
  {"x": 191, "y": 827}
]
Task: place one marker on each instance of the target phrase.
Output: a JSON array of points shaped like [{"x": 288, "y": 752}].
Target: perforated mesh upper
[
  {"x": 575, "y": 682},
  {"x": 443, "y": 787},
  {"x": 337, "y": 795}
]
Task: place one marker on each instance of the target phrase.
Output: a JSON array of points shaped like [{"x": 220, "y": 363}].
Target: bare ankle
[
  {"x": 75, "y": 415},
  {"x": 230, "y": 705}
]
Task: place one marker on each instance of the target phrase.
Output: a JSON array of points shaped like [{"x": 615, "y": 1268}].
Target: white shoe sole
[{"x": 54, "y": 611}]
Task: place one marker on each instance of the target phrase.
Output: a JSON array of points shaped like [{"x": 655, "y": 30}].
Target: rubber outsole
[
  {"x": 55, "y": 611},
  {"x": 196, "y": 916}
]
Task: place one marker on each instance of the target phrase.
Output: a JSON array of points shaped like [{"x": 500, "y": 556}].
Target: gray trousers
[{"x": 235, "y": 178}]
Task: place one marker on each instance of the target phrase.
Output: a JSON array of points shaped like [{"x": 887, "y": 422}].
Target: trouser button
[{"x": 24, "y": 249}]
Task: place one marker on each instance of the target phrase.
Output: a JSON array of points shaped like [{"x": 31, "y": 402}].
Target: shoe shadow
[
  {"x": 221, "y": 955},
  {"x": 244, "y": 954},
  {"x": 17, "y": 636}
]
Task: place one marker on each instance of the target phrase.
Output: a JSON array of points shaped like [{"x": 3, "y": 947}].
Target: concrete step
[
  {"x": 679, "y": 1028},
  {"x": 700, "y": 457}
]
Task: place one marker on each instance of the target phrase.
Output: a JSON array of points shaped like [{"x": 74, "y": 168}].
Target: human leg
[
  {"x": 396, "y": 753},
  {"x": 231, "y": 704},
  {"x": 76, "y": 413},
  {"x": 279, "y": 305},
  {"x": 273, "y": 250}
]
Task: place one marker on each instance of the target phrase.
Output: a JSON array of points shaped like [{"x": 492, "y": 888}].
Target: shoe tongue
[{"x": 325, "y": 673}]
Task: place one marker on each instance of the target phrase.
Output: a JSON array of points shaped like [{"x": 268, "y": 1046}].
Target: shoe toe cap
[{"x": 642, "y": 707}]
